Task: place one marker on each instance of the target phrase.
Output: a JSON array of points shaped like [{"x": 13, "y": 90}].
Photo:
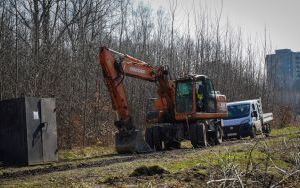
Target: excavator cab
[
  {"x": 194, "y": 97},
  {"x": 196, "y": 115},
  {"x": 195, "y": 94}
]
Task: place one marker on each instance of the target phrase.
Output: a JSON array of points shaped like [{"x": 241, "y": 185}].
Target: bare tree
[{"x": 49, "y": 48}]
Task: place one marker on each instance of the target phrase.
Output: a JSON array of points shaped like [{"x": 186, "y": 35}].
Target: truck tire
[
  {"x": 253, "y": 132},
  {"x": 153, "y": 138},
  {"x": 198, "y": 135},
  {"x": 218, "y": 135},
  {"x": 267, "y": 130},
  {"x": 239, "y": 136}
]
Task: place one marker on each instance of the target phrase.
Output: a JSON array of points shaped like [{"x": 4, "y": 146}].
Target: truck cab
[{"x": 245, "y": 118}]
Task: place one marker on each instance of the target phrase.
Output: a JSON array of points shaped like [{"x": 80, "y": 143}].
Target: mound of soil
[
  {"x": 148, "y": 171},
  {"x": 159, "y": 177}
]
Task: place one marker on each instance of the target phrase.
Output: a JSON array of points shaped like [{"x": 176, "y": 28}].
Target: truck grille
[{"x": 231, "y": 130}]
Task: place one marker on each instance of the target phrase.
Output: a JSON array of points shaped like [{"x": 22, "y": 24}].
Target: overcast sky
[{"x": 281, "y": 17}]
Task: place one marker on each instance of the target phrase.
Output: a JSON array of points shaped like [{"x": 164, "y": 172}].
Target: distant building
[
  {"x": 283, "y": 75},
  {"x": 283, "y": 69}
]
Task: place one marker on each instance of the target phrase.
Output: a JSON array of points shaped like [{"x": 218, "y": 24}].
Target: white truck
[{"x": 246, "y": 118}]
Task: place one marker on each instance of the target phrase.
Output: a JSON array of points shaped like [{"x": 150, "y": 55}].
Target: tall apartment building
[
  {"x": 283, "y": 69},
  {"x": 283, "y": 75}
]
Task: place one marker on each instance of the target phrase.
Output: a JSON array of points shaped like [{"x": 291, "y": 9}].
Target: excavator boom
[{"x": 129, "y": 139}]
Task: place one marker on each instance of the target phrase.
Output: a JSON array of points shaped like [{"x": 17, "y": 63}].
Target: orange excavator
[{"x": 186, "y": 109}]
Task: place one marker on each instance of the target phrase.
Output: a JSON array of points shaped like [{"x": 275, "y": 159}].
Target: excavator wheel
[
  {"x": 131, "y": 142},
  {"x": 149, "y": 137},
  {"x": 198, "y": 135},
  {"x": 153, "y": 138}
]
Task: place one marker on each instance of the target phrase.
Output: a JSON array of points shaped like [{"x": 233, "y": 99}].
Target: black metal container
[{"x": 28, "y": 131}]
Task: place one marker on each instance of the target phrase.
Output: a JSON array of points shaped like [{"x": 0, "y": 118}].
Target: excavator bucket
[{"x": 132, "y": 142}]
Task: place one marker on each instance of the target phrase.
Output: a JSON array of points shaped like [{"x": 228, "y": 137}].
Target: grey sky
[{"x": 281, "y": 17}]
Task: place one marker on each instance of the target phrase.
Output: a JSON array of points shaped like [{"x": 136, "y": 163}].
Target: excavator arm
[{"x": 128, "y": 138}]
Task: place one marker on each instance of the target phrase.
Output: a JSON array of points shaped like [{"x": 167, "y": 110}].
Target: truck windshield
[
  {"x": 184, "y": 96},
  {"x": 238, "y": 111}
]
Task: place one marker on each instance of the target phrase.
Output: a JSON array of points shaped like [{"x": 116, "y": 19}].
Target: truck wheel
[
  {"x": 198, "y": 135},
  {"x": 218, "y": 135},
  {"x": 253, "y": 132},
  {"x": 239, "y": 134},
  {"x": 267, "y": 130}
]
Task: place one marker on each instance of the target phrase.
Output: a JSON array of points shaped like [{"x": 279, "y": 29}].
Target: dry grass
[
  {"x": 85, "y": 153},
  {"x": 252, "y": 163}
]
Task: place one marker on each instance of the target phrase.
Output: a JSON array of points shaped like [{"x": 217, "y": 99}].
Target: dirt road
[{"x": 175, "y": 168}]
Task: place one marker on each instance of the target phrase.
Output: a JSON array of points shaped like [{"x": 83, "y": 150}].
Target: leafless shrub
[
  {"x": 283, "y": 116},
  {"x": 259, "y": 171}
]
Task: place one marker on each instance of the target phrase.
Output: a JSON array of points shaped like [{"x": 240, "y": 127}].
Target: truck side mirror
[{"x": 254, "y": 114}]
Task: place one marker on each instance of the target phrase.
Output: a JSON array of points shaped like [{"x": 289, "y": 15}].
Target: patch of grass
[
  {"x": 175, "y": 166},
  {"x": 242, "y": 157},
  {"x": 202, "y": 171},
  {"x": 203, "y": 159},
  {"x": 213, "y": 157},
  {"x": 218, "y": 156},
  {"x": 293, "y": 136},
  {"x": 83, "y": 153},
  {"x": 282, "y": 164},
  {"x": 286, "y": 130}
]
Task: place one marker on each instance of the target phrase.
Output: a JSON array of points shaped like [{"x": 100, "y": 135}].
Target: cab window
[
  {"x": 200, "y": 93},
  {"x": 184, "y": 96},
  {"x": 210, "y": 88}
]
